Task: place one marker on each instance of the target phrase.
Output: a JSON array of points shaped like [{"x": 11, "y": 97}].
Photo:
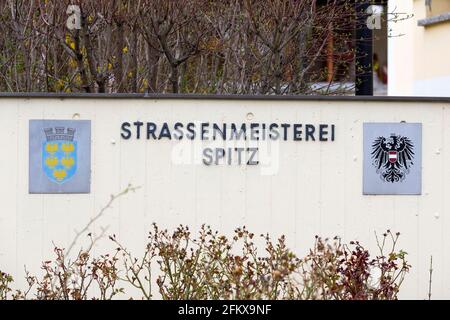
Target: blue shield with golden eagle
[{"x": 59, "y": 155}]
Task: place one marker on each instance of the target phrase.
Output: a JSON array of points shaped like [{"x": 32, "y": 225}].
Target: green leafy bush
[{"x": 5, "y": 281}]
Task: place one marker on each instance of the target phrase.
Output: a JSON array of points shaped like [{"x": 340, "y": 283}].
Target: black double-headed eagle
[{"x": 393, "y": 157}]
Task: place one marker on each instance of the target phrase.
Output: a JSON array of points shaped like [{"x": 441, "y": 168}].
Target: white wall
[
  {"x": 318, "y": 189},
  {"x": 418, "y": 63},
  {"x": 439, "y": 86},
  {"x": 401, "y": 51}
]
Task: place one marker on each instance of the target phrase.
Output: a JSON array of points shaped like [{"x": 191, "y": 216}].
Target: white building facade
[{"x": 418, "y": 48}]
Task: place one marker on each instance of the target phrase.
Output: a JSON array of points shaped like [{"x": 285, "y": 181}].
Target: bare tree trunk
[
  {"x": 119, "y": 46},
  {"x": 134, "y": 60},
  {"x": 174, "y": 78},
  {"x": 80, "y": 64},
  {"x": 152, "y": 68}
]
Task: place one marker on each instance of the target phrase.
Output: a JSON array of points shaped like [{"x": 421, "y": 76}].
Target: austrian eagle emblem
[{"x": 392, "y": 157}]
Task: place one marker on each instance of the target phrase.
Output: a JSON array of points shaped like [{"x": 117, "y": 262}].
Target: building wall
[
  {"x": 438, "y": 7},
  {"x": 400, "y": 49},
  {"x": 418, "y": 55},
  {"x": 316, "y": 191}
]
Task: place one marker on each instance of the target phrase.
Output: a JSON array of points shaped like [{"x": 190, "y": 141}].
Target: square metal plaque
[
  {"x": 392, "y": 158},
  {"x": 59, "y": 156}
]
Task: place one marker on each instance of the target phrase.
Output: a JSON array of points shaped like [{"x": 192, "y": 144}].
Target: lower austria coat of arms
[{"x": 59, "y": 154}]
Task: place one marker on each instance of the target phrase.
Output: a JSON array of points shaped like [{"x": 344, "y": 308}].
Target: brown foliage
[
  {"x": 189, "y": 46},
  {"x": 213, "y": 266}
]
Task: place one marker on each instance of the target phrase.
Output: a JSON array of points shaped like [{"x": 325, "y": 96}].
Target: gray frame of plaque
[
  {"x": 392, "y": 163},
  {"x": 59, "y": 156}
]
